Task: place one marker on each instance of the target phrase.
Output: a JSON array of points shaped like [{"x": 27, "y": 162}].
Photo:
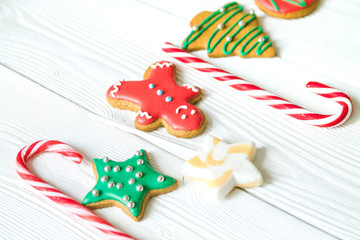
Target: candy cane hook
[
  {"x": 55, "y": 195},
  {"x": 286, "y": 107}
]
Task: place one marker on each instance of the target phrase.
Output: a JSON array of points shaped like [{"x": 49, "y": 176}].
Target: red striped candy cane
[
  {"x": 55, "y": 195},
  {"x": 286, "y": 107}
]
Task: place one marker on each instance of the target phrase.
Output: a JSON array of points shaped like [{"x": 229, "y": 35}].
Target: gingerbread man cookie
[
  {"x": 159, "y": 101},
  {"x": 223, "y": 166},
  {"x": 127, "y": 185},
  {"x": 287, "y": 9},
  {"x": 227, "y": 32}
]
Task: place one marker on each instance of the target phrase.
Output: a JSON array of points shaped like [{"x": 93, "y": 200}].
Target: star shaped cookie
[
  {"x": 127, "y": 185},
  {"x": 159, "y": 101},
  {"x": 224, "y": 166}
]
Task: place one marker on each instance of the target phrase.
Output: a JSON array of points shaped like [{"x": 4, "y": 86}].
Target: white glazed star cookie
[{"x": 224, "y": 166}]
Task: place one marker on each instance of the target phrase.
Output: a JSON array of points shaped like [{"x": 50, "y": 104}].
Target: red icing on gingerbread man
[{"x": 158, "y": 100}]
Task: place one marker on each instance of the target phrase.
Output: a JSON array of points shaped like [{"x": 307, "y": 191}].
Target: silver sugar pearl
[
  {"x": 131, "y": 181},
  {"x": 130, "y": 204},
  {"x": 195, "y": 28},
  {"x": 228, "y": 38},
  {"x": 126, "y": 198},
  {"x": 140, "y": 162},
  {"x": 252, "y": 11},
  {"x": 104, "y": 178},
  {"x": 220, "y": 26},
  {"x": 111, "y": 184},
  {"x": 116, "y": 168},
  {"x": 138, "y": 153},
  {"x": 160, "y": 178},
  {"x": 129, "y": 168},
  {"x": 139, "y": 188},
  {"x": 107, "y": 168},
  {"x": 222, "y": 9},
  {"x": 139, "y": 174},
  {"x": 106, "y": 159},
  {"x": 261, "y": 39},
  {"x": 241, "y": 23},
  {"x": 119, "y": 185},
  {"x": 95, "y": 192}
]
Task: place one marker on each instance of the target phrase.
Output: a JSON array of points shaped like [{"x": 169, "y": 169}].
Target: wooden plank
[
  {"x": 78, "y": 54},
  {"x": 181, "y": 214}
]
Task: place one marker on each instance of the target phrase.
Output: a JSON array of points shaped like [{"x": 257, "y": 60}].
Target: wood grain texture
[
  {"x": 77, "y": 53},
  {"x": 182, "y": 214}
]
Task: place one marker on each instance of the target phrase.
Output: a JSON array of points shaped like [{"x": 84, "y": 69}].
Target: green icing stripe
[
  {"x": 275, "y": 5},
  {"x": 148, "y": 181},
  {"x": 214, "y": 17},
  {"x": 300, "y": 3}
]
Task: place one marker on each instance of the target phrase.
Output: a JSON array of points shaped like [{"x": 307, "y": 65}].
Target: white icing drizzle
[
  {"x": 144, "y": 114},
  {"x": 161, "y": 65},
  {"x": 188, "y": 86},
  {"x": 183, "y": 116},
  {"x": 193, "y": 112},
  {"x": 181, "y": 107},
  {"x": 116, "y": 88}
]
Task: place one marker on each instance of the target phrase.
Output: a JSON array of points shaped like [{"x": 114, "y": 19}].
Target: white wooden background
[{"x": 57, "y": 59}]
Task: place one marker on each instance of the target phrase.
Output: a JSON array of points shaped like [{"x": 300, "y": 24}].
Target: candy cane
[
  {"x": 286, "y": 107},
  {"x": 55, "y": 195}
]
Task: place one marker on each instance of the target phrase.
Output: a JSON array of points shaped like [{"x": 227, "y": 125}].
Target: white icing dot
[
  {"x": 104, "y": 178},
  {"x": 195, "y": 28},
  {"x": 261, "y": 39},
  {"x": 193, "y": 112},
  {"x": 183, "y": 116}
]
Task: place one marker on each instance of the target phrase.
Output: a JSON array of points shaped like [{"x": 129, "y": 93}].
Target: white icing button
[
  {"x": 195, "y": 28},
  {"x": 131, "y": 181},
  {"x": 261, "y": 39},
  {"x": 222, "y": 9},
  {"x": 183, "y": 116},
  {"x": 228, "y": 38},
  {"x": 193, "y": 112},
  {"x": 119, "y": 185},
  {"x": 104, "y": 178},
  {"x": 106, "y": 159},
  {"x": 241, "y": 23},
  {"x": 130, "y": 204},
  {"x": 252, "y": 11},
  {"x": 116, "y": 169},
  {"x": 160, "y": 178},
  {"x": 95, "y": 192},
  {"x": 138, "y": 153},
  {"x": 107, "y": 168},
  {"x": 126, "y": 198},
  {"x": 129, "y": 168},
  {"x": 140, "y": 162},
  {"x": 138, "y": 174},
  {"x": 220, "y": 26},
  {"x": 139, "y": 188},
  {"x": 111, "y": 184}
]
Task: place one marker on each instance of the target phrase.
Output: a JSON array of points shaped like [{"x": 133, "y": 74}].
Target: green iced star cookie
[{"x": 127, "y": 185}]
